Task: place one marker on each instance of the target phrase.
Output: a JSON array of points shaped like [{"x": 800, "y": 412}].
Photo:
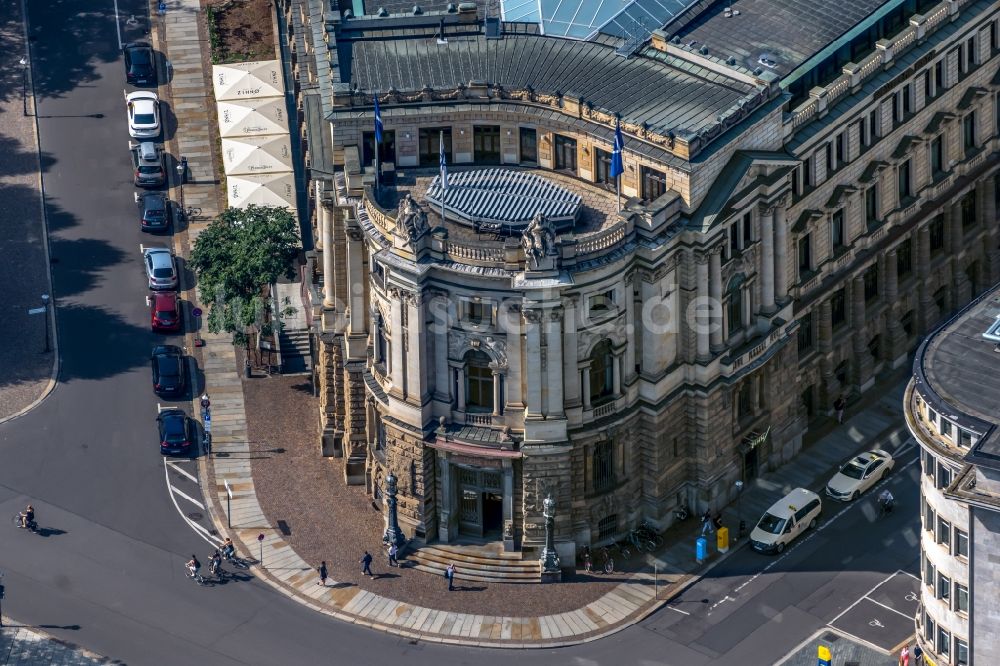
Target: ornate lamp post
[
  {"x": 393, "y": 534},
  {"x": 551, "y": 569}
]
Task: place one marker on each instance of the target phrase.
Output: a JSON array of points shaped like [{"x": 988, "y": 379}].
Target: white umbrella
[
  {"x": 252, "y": 117},
  {"x": 275, "y": 189},
  {"x": 257, "y": 154},
  {"x": 248, "y": 80}
]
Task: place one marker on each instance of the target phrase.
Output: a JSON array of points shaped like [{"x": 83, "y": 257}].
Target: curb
[{"x": 10, "y": 624}]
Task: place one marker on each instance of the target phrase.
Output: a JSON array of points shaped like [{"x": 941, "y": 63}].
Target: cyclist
[
  {"x": 886, "y": 500},
  {"x": 215, "y": 565},
  {"x": 228, "y": 549},
  {"x": 193, "y": 566},
  {"x": 27, "y": 516}
]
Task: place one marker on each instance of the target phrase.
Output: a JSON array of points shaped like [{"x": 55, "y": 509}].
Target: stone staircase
[
  {"x": 295, "y": 355},
  {"x": 487, "y": 563}
]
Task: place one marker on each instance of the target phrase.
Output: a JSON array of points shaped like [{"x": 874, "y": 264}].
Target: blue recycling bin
[{"x": 701, "y": 549}]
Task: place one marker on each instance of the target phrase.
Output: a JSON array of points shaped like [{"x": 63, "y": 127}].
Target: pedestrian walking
[
  {"x": 904, "y": 656},
  {"x": 839, "y": 405},
  {"x": 366, "y": 565},
  {"x": 393, "y": 551},
  {"x": 706, "y": 522},
  {"x": 322, "y": 574},
  {"x": 587, "y": 563},
  {"x": 449, "y": 573}
]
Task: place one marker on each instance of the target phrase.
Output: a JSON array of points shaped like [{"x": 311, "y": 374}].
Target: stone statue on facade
[
  {"x": 411, "y": 220},
  {"x": 538, "y": 240}
]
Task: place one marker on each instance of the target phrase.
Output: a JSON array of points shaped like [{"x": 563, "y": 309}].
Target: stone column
[
  {"x": 616, "y": 374},
  {"x": 780, "y": 254},
  {"x": 767, "y": 259},
  {"x": 497, "y": 404},
  {"x": 554, "y": 363},
  {"x": 460, "y": 387},
  {"x": 895, "y": 336},
  {"x": 416, "y": 353},
  {"x": 926, "y": 310},
  {"x": 508, "y": 505},
  {"x": 960, "y": 281},
  {"x": 326, "y": 217},
  {"x": 702, "y": 348},
  {"x": 533, "y": 342},
  {"x": 831, "y": 387},
  {"x": 514, "y": 370},
  {"x": 716, "y": 342},
  {"x": 859, "y": 346},
  {"x": 444, "y": 524},
  {"x": 571, "y": 387},
  {"x": 442, "y": 387},
  {"x": 630, "y": 324},
  {"x": 586, "y": 386},
  {"x": 397, "y": 369},
  {"x": 356, "y": 280},
  {"x": 991, "y": 251}
]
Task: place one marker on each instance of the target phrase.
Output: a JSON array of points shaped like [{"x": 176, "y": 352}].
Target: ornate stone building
[
  {"x": 951, "y": 410},
  {"x": 793, "y": 222}
]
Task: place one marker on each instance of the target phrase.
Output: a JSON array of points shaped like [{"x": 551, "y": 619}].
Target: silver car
[{"x": 161, "y": 270}]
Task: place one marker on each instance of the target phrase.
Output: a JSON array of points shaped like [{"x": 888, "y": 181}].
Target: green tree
[{"x": 235, "y": 258}]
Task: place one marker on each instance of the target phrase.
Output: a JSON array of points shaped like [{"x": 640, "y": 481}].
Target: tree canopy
[{"x": 236, "y": 257}]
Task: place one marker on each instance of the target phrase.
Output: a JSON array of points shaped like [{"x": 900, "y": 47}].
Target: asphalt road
[{"x": 107, "y": 571}]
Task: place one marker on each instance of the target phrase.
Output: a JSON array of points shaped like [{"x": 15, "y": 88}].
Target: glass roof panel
[{"x": 580, "y": 19}]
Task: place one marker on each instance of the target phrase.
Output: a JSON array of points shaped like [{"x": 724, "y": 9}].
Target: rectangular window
[
  {"x": 907, "y": 100},
  {"x": 961, "y": 543},
  {"x": 831, "y": 166},
  {"x": 969, "y": 132},
  {"x": 961, "y": 652},
  {"x": 734, "y": 238},
  {"x": 964, "y": 438},
  {"x": 600, "y": 303},
  {"x": 873, "y": 129},
  {"x": 805, "y": 336},
  {"x": 477, "y": 312},
  {"x": 528, "y": 140},
  {"x": 807, "y": 173},
  {"x": 993, "y": 36},
  {"x": 943, "y": 587},
  {"x": 747, "y": 229},
  {"x": 929, "y": 518},
  {"x": 603, "y": 468},
  {"x": 904, "y": 186},
  {"x": 937, "y": 233},
  {"x": 961, "y": 598},
  {"x": 805, "y": 256},
  {"x": 939, "y": 76},
  {"x": 945, "y": 431},
  {"x": 928, "y": 90},
  {"x": 837, "y": 236},
  {"x": 963, "y": 65},
  {"x": 944, "y": 533},
  {"x": 386, "y": 149},
  {"x": 838, "y": 308},
  {"x": 944, "y": 643},
  {"x": 968, "y": 207},
  {"x": 928, "y": 574},
  {"x": 871, "y": 206},
  {"x": 871, "y": 283},
  {"x": 654, "y": 184},
  {"x": 932, "y": 419},
  {"x": 970, "y": 52},
  {"x": 896, "y": 116},
  {"x": 937, "y": 156},
  {"x": 565, "y": 153},
  {"x": 840, "y": 153},
  {"x": 429, "y": 145},
  {"x": 929, "y": 626},
  {"x": 796, "y": 189},
  {"x": 904, "y": 259},
  {"x": 602, "y": 167}
]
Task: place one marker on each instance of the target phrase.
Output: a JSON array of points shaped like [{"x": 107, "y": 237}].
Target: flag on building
[
  {"x": 378, "y": 122},
  {"x": 617, "y": 168},
  {"x": 443, "y": 163}
]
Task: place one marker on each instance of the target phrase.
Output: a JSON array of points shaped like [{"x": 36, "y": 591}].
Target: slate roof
[
  {"x": 664, "y": 93},
  {"x": 789, "y": 32}
]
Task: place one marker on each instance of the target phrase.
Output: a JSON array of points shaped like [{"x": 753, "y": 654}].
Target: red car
[{"x": 164, "y": 311}]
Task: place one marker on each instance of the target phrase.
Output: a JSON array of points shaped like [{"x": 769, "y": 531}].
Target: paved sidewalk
[
  {"x": 20, "y": 646},
  {"x": 28, "y": 373}
]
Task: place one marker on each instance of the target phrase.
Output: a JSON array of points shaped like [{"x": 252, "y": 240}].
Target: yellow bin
[{"x": 722, "y": 539}]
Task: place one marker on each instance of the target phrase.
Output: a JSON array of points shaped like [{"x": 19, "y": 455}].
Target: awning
[
  {"x": 262, "y": 189},
  {"x": 248, "y": 80},
  {"x": 252, "y": 117},
  {"x": 257, "y": 154}
]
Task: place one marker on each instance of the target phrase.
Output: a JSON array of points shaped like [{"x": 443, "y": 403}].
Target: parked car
[
  {"x": 155, "y": 211},
  {"x": 859, "y": 474},
  {"x": 168, "y": 370},
  {"x": 176, "y": 431},
  {"x": 140, "y": 64},
  {"x": 143, "y": 109},
  {"x": 161, "y": 269},
  {"x": 164, "y": 312},
  {"x": 147, "y": 158},
  {"x": 787, "y": 518}
]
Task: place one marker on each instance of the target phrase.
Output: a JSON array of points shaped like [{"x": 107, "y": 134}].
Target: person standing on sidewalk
[
  {"x": 366, "y": 565},
  {"x": 393, "y": 551},
  {"x": 839, "y": 405},
  {"x": 449, "y": 573},
  {"x": 322, "y": 573},
  {"x": 706, "y": 522}
]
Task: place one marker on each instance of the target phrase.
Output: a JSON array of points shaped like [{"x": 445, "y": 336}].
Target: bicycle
[
  {"x": 32, "y": 526},
  {"x": 195, "y": 576},
  {"x": 885, "y": 507},
  {"x": 609, "y": 562},
  {"x": 237, "y": 562}
]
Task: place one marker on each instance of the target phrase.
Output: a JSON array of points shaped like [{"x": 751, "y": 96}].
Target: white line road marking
[
  {"x": 118, "y": 26},
  {"x": 865, "y": 596},
  {"x": 212, "y": 540},
  {"x": 890, "y": 608},
  {"x": 907, "y": 573},
  {"x": 678, "y": 610},
  {"x": 188, "y": 498},
  {"x": 189, "y": 475},
  {"x": 720, "y": 601}
]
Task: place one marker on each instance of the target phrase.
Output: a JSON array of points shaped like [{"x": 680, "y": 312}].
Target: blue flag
[
  {"x": 443, "y": 163},
  {"x": 617, "y": 168},
  {"x": 378, "y": 122}
]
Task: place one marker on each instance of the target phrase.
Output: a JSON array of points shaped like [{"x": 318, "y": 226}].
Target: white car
[
  {"x": 143, "y": 114},
  {"x": 161, "y": 271},
  {"x": 859, "y": 474}
]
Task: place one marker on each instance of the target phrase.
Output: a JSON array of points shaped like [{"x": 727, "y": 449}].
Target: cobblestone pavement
[
  {"x": 20, "y": 646},
  {"x": 27, "y": 373}
]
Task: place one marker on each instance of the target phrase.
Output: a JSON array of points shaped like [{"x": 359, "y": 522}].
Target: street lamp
[
  {"x": 24, "y": 84},
  {"x": 739, "y": 509}
]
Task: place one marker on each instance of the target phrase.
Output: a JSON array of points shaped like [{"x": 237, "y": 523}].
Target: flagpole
[
  {"x": 442, "y": 173},
  {"x": 618, "y": 189}
]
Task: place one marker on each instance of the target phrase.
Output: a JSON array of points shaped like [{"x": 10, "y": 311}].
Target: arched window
[
  {"x": 478, "y": 382},
  {"x": 381, "y": 345},
  {"x": 734, "y": 305},
  {"x": 601, "y": 371}
]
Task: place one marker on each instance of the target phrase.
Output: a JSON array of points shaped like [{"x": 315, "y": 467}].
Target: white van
[{"x": 787, "y": 518}]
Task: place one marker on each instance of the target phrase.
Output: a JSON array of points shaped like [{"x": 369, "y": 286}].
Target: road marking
[
  {"x": 876, "y": 623},
  {"x": 212, "y": 540},
  {"x": 720, "y": 601},
  {"x": 118, "y": 27},
  {"x": 907, "y": 573},
  {"x": 189, "y": 475},
  {"x": 865, "y": 596},
  {"x": 890, "y": 608},
  {"x": 188, "y": 498},
  {"x": 682, "y": 612}
]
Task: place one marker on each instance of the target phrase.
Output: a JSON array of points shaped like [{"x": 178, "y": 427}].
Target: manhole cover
[{"x": 194, "y": 515}]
